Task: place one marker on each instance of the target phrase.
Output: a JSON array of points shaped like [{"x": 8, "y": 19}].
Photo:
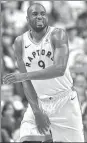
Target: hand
[
  {"x": 42, "y": 121},
  {"x": 13, "y": 78}
]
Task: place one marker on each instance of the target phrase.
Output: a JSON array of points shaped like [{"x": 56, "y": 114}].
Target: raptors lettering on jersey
[{"x": 38, "y": 53}]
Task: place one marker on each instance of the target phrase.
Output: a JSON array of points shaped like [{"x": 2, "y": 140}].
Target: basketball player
[{"x": 42, "y": 56}]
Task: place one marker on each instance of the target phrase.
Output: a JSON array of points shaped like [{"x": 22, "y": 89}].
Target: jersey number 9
[{"x": 41, "y": 64}]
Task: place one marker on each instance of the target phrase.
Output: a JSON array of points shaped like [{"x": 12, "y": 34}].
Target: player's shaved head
[{"x": 35, "y": 5}]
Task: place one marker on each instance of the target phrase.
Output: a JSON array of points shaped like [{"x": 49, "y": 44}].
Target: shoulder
[
  {"x": 19, "y": 39},
  {"x": 59, "y": 34},
  {"x": 18, "y": 45}
]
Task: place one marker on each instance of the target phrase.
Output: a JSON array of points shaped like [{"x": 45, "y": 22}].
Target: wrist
[
  {"x": 27, "y": 76},
  {"x": 24, "y": 77}
]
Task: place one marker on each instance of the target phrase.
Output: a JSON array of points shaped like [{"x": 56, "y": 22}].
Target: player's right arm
[
  {"x": 41, "y": 119},
  {"x": 28, "y": 87}
]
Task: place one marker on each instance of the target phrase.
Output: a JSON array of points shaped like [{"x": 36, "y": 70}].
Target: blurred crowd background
[{"x": 69, "y": 15}]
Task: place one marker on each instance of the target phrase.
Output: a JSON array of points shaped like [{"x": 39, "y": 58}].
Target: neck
[{"x": 37, "y": 36}]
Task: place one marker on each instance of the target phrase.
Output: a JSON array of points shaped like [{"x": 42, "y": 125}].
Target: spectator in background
[
  {"x": 7, "y": 120},
  {"x": 85, "y": 120},
  {"x": 80, "y": 84},
  {"x": 82, "y": 24},
  {"x": 13, "y": 18},
  {"x": 7, "y": 92},
  {"x": 8, "y": 52},
  {"x": 85, "y": 49},
  {"x": 62, "y": 14},
  {"x": 77, "y": 8},
  {"x": 4, "y": 136},
  {"x": 24, "y": 6},
  {"x": 76, "y": 43},
  {"x": 19, "y": 112},
  {"x": 80, "y": 61},
  {"x": 63, "y": 11}
]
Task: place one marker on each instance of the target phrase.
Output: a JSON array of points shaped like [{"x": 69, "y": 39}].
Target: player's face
[{"x": 37, "y": 18}]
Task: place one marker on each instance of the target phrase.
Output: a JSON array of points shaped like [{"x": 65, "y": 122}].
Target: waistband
[{"x": 58, "y": 95}]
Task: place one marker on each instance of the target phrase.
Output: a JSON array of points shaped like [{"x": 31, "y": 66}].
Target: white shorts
[{"x": 65, "y": 117}]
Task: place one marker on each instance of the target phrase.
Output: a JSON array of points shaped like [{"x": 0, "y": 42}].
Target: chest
[
  {"x": 35, "y": 55},
  {"x": 42, "y": 49}
]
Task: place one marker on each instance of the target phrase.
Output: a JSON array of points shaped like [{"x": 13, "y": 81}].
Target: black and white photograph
[{"x": 43, "y": 71}]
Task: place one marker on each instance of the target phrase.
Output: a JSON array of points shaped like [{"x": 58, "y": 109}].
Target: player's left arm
[{"x": 59, "y": 41}]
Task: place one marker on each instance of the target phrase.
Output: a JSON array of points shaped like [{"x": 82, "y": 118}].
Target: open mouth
[{"x": 39, "y": 23}]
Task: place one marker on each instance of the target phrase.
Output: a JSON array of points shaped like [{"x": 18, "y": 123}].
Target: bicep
[
  {"x": 61, "y": 56},
  {"x": 61, "y": 51}
]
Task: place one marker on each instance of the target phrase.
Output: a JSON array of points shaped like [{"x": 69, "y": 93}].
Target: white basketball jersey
[{"x": 38, "y": 56}]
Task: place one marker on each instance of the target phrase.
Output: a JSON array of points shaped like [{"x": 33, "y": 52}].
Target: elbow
[
  {"x": 61, "y": 70},
  {"x": 62, "y": 73}
]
